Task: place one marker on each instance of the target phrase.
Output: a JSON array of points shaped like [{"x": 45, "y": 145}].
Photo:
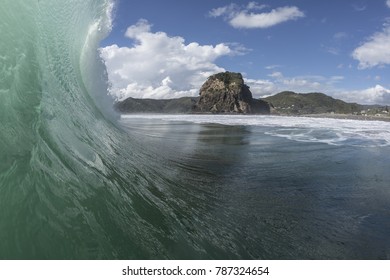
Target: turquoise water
[{"x": 77, "y": 183}]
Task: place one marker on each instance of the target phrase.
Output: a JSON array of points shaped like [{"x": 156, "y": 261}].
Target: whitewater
[
  {"x": 79, "y": 182},
  {"x": 309, "y": 129}
]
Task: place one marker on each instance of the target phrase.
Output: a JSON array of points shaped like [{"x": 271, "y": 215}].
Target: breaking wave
[
  {"x": 75, "y": 184},
  {"x": 65, "y": 175}
]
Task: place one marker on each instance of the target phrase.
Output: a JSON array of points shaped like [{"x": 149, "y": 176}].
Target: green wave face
[
  {"x": 73, "y": 183},
  {"x": 48, "y": 60},
  {"x": 57, "y": 145}
]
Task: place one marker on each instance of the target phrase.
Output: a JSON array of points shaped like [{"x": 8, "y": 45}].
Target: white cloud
[
  {"x": 340, "y": 35},
  {"x": 374, "y": 95},
  {"x": 271, "y": 67},
  {"x": 276, "y": 75},
  {"x": 265, "y": 20},
  {"x": 277, "y": 82},
  {"x": 303, "y": 83},
  {"x": 299, "y": 84},
  {"x": 244, "y": 17},
  {"x": 160, "y": 66},
  {"x": 238, "y": 49},
  {"x": 261, "y": 88},
  {"x": 141, "y": 27},
  {"x": 375, "y": 51},
  {"x": 228, "y": 11},
  {"x": 335, "y": 79},
  {"x": 329, "y": 85},
  {"x": 388, "y": 3},
  {"x": 255, "y": 6}
]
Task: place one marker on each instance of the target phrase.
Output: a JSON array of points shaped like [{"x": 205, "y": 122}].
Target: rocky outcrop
[{"x": 227, "y": 93}]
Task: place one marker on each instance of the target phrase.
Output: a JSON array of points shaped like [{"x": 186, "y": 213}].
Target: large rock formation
[{"x": 227, "y": 93}]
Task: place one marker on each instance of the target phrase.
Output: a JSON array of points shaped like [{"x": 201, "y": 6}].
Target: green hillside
[
  {"x": 292, "y": 103},
  {"x": 166, "y": 106}
]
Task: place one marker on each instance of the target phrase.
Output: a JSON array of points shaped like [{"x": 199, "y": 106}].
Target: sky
[{"x": 168, "y": 48}]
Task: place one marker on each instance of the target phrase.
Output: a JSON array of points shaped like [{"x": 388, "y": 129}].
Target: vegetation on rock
[
  {"x": 227, "y": 93},
  {"x": 182, "y": 105},
  {"x": 291, "y": 103}
]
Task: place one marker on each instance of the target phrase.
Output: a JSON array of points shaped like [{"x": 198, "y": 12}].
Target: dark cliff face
[{"x": 227, "y": 93}]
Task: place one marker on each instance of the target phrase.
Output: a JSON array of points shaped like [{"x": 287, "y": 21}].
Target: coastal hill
[
  {"x": 291, "y": 103},
  {"x": 184, "y": 105},
  {"x": 226, "y": 93}
]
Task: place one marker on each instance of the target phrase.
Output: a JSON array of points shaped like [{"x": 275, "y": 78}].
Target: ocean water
[
  {"x": 78, "y": 182},
  {"x": 262, "y": 187}
]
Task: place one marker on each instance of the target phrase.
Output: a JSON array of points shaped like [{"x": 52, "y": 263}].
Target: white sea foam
[{"x": 303, "y": 129}]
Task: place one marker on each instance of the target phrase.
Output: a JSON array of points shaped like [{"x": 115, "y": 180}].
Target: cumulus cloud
[
  {"x": 388, "y": 3},
  {"x": 375, "y": 51},
  {"x": 278, "y": 82},
  {"x": 328, "y": 85},
  {"x": 374, "y": 95},
  {"x": 161, "y": 66},
  {"x": 277, "y": 75},
  {"x": 246, "y": 17},
  {"x": 141, "y": 27},
  {"x": 303, "y": 84},
  {"x": 261, "y": 88}
]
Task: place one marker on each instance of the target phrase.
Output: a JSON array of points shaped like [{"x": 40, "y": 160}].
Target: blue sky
[{"x": 167, "y": 48}]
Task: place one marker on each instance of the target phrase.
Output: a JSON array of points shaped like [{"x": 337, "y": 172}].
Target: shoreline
[
  {"x": 346, "y": 117},
  {"x": 324, "y": 116}
]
